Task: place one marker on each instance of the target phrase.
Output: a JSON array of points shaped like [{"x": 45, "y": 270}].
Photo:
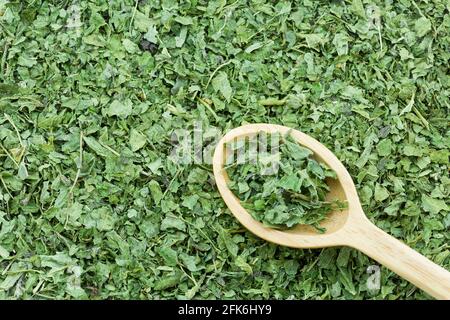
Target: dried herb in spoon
[{"x": 281, "y": 188}]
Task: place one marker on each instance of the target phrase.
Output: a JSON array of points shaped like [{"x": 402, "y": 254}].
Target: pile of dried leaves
[
  {"x": 93, "y": 92},
  {"x": 282, "y": 186}
]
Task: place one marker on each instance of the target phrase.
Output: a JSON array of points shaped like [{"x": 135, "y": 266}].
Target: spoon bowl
[
  {"x": 347, "y": 227},
  {"x": 301, "y": 236}
]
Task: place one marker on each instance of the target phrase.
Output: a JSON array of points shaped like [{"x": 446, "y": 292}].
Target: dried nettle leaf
[{"x": 288, "y": 191}]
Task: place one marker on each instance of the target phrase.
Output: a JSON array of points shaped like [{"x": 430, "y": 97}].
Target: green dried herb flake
[{"x": 290, "y": 191}]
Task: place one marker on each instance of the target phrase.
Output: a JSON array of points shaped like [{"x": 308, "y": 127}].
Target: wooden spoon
[{"x": 349, "y": 227}]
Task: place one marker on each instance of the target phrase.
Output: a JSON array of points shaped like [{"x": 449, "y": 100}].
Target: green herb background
[{"x": 91, "y": 208}]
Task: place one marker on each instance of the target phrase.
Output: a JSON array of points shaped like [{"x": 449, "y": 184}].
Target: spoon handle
[{"x": 401, "y": 259}]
